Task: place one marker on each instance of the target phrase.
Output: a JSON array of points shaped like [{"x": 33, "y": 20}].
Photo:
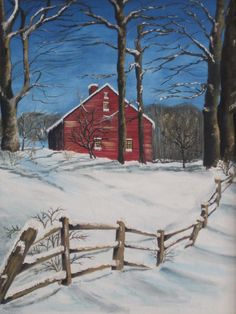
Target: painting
[{"x": 117, "y": 159}]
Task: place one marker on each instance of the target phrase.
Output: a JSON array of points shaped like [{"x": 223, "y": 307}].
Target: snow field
[{"x": 147, "y": 197}]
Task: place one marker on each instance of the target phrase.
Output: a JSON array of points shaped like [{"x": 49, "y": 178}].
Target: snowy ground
[{"x": 147, "y": 197}]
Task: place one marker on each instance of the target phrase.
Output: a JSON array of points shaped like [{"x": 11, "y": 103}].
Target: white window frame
[
  {"x": 106, "y": 95},
  {"x": 106, "y": 104},
  {"x": 97, "y": 139},
  {"x": 129, "y": 149}
]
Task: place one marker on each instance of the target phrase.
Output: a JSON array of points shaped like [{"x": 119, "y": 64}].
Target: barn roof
[{"x": 90, "y": 96}]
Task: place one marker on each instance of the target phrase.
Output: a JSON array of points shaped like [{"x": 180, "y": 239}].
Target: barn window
[
  {"x": 71, "y": 124},
  {"x": 105, "y": 105},
  {"x": 97, "y": 143},
  {"x": 129, "y": 145},
  {"x": 105, "y": 102}
]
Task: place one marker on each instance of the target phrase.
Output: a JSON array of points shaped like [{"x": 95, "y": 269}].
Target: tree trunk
[
  {"x": 211, "y": 128},
  {"x": 23, "y": 143},
  {"x": 121, "y": 80},
  {"x": 91, "y": 153},
  {"x": 227, "y": 108},
  {"x": 183, "y": 158},
  {"x": 10, "y": 138},
  {"x": 139, "y": 87}
]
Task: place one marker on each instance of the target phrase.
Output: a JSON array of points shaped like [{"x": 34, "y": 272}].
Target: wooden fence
[{"x": 17, "y": 262}]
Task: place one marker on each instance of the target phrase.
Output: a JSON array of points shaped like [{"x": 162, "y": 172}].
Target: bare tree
[
  {"x": 88, "y": 131},
  {"x": 138, "y": 56},
  {"x": 178, "y": 132},
  {"x": 27, "y": 128},
  {"x": 227, "y": 108},
  {"x": 17, "y": 23},
  {"x": 182, "y": 131},
  {"x": 211, "y": 128},
  {"x": 122, "y": 19},
  {"x": 205, "y": 47},
  {"x": 33, "y": 127},
  {"x": 143, "y": 30}
]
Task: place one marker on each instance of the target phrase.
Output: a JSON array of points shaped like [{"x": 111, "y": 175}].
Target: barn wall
[
  {"x": 109, "y": 122},
  {"x": 109, "y": 136},
  {"x": 148, "y": 140},
  {"x": 55, "y": 138}
]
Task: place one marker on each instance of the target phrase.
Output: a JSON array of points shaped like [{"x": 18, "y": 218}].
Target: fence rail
[
  {"x": 19, "y": 260},
  {"x": 35, "y": 286}
]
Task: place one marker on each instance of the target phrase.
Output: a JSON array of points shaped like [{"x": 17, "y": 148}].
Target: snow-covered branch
[
  {"x": 184, "y": 90},
  {"x": 42, "y": 18},
  {"x": 9, "y": 23},
  {"x": 139, "y": 13},
  {"x": 199, "y": 4},
  {"x": 100, "y": 19},
  {"x": 198, "y": 22},
  {"x": 182, "y": 31}
]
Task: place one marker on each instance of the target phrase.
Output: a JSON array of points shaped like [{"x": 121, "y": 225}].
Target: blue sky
[{"x": 69, "y": 67}]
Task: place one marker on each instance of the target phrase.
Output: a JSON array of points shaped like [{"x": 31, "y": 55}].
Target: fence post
[
  {"x": 65, "y": 241},
  {"x": 118, "y": 252},
  {"x": 218, "y": 189},
  {"x": 204, "y": 214},
  {"x": 15, "y": 261},
  {"x": 196, "y": 229},
  {"x": 231, "y": 178},
  {"x": 161, "y": 247}
]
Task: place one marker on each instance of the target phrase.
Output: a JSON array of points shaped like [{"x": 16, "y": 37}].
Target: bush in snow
[
  {"x": 227, "y": 167},
  {"x": 9, "y": 159},
  {"x": 12, "y": 231},
  {"x": 47, "y": 219}
]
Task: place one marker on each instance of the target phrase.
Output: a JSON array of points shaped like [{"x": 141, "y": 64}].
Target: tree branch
[
  {"x": 138, "y": 13},
  {"x": 100, "y": 20},
  {"x": 204, "y": 9},
  {"x": 199, "y": 23},
  {"x": 9, "y": 23},
  {"x": 43, "y": 19},
  {"x": 115, "y": 5},
  {"x": 181, "y": 30}
]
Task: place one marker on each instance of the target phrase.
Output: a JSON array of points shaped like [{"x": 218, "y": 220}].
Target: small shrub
[
  {"x": 68, "y": 155},
  {"x": 12, "y": 231},
  {"x": 47, "y": 219},
  {"x": 9, "y": 159},
  {"x": 228, "y": 168}
]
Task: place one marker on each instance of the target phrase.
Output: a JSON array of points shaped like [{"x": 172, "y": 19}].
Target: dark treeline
[{"x": 178, "y": 133}]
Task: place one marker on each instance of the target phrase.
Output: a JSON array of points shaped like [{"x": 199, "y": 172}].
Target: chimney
[{"x": 92, "y": 88}]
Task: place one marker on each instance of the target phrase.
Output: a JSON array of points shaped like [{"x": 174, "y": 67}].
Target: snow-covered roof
[
  {"x": 74, "y": 108},
  {"x": 86, "y": 99}
]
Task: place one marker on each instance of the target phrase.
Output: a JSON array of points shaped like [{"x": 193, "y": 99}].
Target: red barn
[{"x": 93, "y": 126}]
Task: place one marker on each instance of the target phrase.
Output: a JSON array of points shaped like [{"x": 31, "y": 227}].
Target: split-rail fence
[{"x": 17, "y": 263}]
